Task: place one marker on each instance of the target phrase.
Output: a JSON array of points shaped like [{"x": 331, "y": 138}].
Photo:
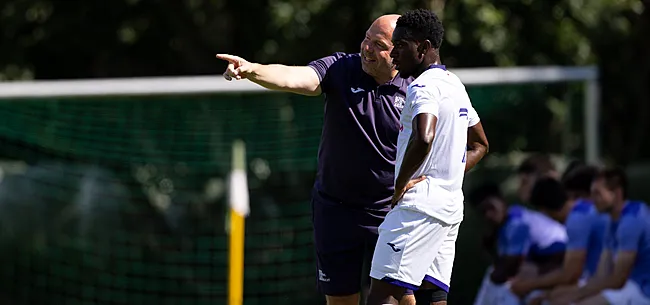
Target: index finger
[{"x": 230, "y": 58}]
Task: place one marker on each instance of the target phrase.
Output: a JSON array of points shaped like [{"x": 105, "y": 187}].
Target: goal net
[{"x": 116, "y": 191}]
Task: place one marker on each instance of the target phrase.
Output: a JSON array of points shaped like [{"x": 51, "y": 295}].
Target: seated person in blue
[
  {"x": 521, "y": 235},
  {"x": 585, "y": 229},
  {"x": 623, "y": 275}
]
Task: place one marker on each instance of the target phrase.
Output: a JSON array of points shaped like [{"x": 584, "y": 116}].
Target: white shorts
[
  {"x": 482, "y": 294},
  {"x": 413, "y": 247},
  {"x": 493, "y": 294},
  {"x": 630, "y": 294}
]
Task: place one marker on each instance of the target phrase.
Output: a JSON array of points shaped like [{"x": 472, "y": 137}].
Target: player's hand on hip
[
  {"x": 399, "y": 193},
  {"x": 238, "y": 68}
]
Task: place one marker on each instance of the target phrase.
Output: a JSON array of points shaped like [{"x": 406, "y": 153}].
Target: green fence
[{"x": 122, "y": 200}]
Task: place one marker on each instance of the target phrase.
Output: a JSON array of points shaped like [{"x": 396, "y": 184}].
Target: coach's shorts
[
  {"x": 630, "y": 294},
  {"x": 413, "y": 247},
  {"x": 345, "y": 239}
]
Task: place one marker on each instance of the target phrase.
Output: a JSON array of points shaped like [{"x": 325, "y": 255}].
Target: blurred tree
[
  {"x": 55, "y": 39},
  {"x": 64, "y": 39}
]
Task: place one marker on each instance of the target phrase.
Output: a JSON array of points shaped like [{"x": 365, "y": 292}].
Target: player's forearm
[
  {"x": 416, "y": 152},
  {"x": 301, "y": 80},
  {"x": 592, "y": 288},
  {"x": 474, "y": 155},
  {"x": 549, "y": 280},
  {"x": 506, "y": 268}
]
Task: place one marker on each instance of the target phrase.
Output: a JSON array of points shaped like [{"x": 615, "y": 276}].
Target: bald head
[
  {"x": 376, "y": 47},
  {"x": 385, "y": 24}
]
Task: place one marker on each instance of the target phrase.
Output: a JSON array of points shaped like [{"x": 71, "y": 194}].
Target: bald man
[{"x": 364, "y": 97}]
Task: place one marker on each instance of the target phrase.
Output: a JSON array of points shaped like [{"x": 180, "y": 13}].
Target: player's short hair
[
  {"x": 570, "y": 167},
  {"x": 578, "y": 180},
  {"x": 614, "y": 178},
  {"x": 422, "y": 24},
  {"x": 536, "y": 164},
  {"x": 483, "y": 192},
  {"x": 548, "y": 194}
]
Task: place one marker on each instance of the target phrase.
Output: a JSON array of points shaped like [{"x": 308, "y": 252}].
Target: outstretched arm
[{"x": 295, "y": 79}]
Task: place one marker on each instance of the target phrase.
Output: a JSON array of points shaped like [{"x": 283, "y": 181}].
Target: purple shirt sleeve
[
  {"x": 322, "y": 67},
  {"x": 629, "y": 234},
  {"x": 578, "y": 227}
]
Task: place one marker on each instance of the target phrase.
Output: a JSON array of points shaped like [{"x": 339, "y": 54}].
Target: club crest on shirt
[{"x": 399, "y": 102}]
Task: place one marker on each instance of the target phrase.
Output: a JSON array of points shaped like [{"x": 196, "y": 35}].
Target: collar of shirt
[
  {"x": 397, "y": 81},
  {"x": 443, "y": 67}
]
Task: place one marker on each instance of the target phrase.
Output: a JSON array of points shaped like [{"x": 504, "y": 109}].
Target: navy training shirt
[{"x": 356, "y": 157}]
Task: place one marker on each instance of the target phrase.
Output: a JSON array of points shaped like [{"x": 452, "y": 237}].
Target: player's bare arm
[
  {"x": 424, "y": 129},
  {"x": 551, "y": 263},
  {"x": 569, "y": 274},
  {"x": 477, "y": 146},
  {"x": 295, "y": 79},
  {"x": 616, "y": 280},
  {"x": 595, "y": 284},
  {"x": 565, "y": 294},
  {"x": 505, "y": 268}
]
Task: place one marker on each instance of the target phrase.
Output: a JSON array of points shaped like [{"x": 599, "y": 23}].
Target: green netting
[{"x": 122, "y": 200}]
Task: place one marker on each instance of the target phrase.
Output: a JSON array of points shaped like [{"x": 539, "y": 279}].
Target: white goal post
[{"x": 216, "y": 84}]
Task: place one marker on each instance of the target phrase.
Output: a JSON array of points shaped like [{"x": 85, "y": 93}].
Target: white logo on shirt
[
  {"x": 322, "y": 276},
  {"x": 399, "y": 102},
  {"x": 357, "y": 90}
]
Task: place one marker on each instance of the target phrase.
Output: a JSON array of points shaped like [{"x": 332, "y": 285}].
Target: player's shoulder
[
  {"x": 583, "y": 207},
  {"x": 349, "y": 57},
  {"x": 342, "y": 60},
  {"x": 635, "y": 214},
  {"x": 634, "y": 209},
  {"x": 541, "y": 220},
  {"x": 439, "y": 83},
  {"x": 423, "y": 85},
  {"x": 516, "y": 216},
  {"x": 516, "y": 211},
  {"x": 545, "y": 228}
]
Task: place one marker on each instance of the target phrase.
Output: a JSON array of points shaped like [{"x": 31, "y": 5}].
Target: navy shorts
[{"x": 345, "y": 239}]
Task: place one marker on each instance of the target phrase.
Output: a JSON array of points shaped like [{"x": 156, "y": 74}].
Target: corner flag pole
[{"x": 239, "y": 209}]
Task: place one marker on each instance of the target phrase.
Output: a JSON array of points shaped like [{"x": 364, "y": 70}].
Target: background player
[
  {"x": 531, "y": 168},
  {"x": 585, "y": 230},
  {"x": 624, "y": 272},
  {"x": 356, "y": 158},
  {"x": 523, "y": 235},
  {"x": 441, "y": 137}
]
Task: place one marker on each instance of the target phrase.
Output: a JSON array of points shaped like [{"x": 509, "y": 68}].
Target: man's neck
[
  {"x": 382, "y": 79},
  {"x": 426, "y": 64},
  {"x": 617, "y": 210},
  {"x": 566, "y": 210}
]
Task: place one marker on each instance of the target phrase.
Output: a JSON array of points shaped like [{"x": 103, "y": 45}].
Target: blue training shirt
[
  {"x": 586, "y": 229},
  {"x": 531, "y": 234},
  {"x": 632, "y": 233}
]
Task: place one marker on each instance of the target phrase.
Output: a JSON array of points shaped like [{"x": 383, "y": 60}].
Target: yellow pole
[{"x": 238, "y": 212}]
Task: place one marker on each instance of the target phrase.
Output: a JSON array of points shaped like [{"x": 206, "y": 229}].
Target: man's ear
[{"x": 424, "y": 46}]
